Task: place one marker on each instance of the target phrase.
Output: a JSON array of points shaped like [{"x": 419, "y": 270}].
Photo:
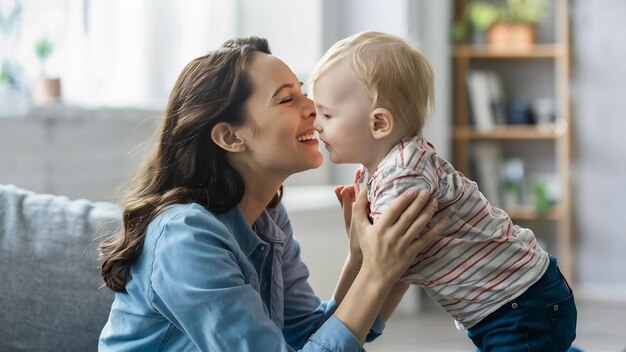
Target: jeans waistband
[{"x": 552, "y": 275}]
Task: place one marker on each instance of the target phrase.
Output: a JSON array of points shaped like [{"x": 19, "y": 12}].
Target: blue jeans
[{"x": 542, "y": 319}]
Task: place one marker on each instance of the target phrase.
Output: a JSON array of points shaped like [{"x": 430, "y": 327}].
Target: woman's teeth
[{"x": 307, "y": 137}]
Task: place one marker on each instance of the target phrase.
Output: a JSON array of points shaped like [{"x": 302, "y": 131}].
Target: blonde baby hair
[{"x": 397, "y": 75}]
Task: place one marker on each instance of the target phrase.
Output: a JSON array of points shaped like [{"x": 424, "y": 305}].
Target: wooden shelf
[
  {"x": 514, "y": 65},
  {"x": 507, "y": 133},
  {"x": 539, "y": 51},
  {"x": 529, "y": 214}
]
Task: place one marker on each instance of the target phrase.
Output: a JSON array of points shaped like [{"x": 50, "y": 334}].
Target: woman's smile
[{"x": 308, "y": 137}]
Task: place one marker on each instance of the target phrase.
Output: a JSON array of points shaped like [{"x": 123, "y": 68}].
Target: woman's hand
[{"x": 389, "y": 246}]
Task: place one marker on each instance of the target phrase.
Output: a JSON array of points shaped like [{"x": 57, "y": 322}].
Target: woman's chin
[
  {"x": 318, "y": 162},
  {"x": 312, "y": 163}
]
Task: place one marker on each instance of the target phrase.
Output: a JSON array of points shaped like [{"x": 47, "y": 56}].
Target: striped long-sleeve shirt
[{"x": 481, "y": 261}]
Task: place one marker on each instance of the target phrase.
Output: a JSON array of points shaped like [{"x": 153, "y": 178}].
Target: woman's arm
[
  {"x": 393, "y": 299},
  {"x": 346, "y": 197},
  {"x": 303, "y": 313},
  {"x": 388, "y": 247}
]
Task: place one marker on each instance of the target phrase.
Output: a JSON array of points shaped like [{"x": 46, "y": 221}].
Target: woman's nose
[{"x": 309, "y": 112}]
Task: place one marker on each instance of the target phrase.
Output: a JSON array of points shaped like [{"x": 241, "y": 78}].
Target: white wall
[
  {"x": 599, "y": 126},
  {"x": 292, "y": 29}
]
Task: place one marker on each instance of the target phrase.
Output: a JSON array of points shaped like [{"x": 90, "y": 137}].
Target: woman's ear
[
  {"x": 225, "y": 136},
  {"x": 382, "y": 123}
]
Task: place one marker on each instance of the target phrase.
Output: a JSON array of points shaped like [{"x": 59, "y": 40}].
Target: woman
[{"x": 206, "y": 259}]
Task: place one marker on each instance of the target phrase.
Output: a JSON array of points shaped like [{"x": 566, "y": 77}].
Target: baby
[{"x": 373, "y": 92}]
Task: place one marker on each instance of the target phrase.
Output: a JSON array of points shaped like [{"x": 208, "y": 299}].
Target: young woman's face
[
  {"x": 343, "y": 109},
  {"x": 280, "y": 137}
]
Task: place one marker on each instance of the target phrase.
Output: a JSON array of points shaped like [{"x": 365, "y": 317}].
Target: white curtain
[{"x": 131, "y": 51}]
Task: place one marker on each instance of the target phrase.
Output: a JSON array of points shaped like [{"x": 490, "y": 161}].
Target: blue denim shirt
[{"x": 209, "y": 282}]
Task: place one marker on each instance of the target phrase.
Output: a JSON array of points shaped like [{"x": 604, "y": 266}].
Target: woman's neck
[{"x": 257, "y": 196}]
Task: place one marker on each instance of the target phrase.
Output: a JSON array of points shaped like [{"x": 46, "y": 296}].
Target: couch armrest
[{"x": 51, "y": 287}]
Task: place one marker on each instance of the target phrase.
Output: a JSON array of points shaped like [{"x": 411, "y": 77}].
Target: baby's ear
[
  {"x": 382, "y": 123},
  {"x": 225, "y": 136}
]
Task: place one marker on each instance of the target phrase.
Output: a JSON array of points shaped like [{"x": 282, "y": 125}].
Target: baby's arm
[{"x": 392, "y": 182}]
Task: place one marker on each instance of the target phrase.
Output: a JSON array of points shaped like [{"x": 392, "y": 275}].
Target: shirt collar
[
  {"x": 249, "y": 239},
  {"x": 266, "y": 227},
  {"x": 391, "y": 158}
]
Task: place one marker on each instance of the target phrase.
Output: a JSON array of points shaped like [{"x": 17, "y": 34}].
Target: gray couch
[{"x": 50, "y": 289}]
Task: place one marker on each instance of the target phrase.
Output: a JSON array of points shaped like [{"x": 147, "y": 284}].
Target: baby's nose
[{"x": 317, "y": 124}]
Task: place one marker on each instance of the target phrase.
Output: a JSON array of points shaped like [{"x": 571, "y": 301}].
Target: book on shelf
[
  {"x": 487, "y": 171},
  {"x": 486, "y": 99}
]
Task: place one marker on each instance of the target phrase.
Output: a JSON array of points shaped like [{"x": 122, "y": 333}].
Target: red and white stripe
[{"x": 482, "y": 261}]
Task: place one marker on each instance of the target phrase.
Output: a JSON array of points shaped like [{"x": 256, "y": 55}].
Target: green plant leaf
[
  {"x": 527, "y": 11},
  {"x": 542, "y": 204},
  {"x": 43, "y": 49},
  {"x": 459, "y": 32},
  {"x": 482, "y": 15}
]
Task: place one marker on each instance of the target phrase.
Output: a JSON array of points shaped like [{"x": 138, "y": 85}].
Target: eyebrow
[
  {"x": 320, "y": 106},
  {"x": 286, "y": 85}
]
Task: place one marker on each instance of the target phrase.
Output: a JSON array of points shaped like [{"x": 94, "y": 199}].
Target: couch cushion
[{"x": 50, "y": 288}]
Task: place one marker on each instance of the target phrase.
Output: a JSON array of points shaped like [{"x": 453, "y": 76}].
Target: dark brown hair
[{"x": 186, "y": 165}]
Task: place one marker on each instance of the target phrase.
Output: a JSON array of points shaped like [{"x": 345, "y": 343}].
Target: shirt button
[
  {"x": 556, "y": 307},
  {"x": 514, "y": 305},
  {"x": 262, "y": 248}
]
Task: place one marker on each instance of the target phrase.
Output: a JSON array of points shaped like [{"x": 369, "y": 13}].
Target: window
[{"x": 129, "y": 52}]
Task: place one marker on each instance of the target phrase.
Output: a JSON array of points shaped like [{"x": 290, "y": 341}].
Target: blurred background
[{"x": 538, "y": 123}]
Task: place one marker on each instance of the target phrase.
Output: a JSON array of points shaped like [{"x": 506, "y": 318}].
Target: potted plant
[
  {"x": 515, "y": 28},
  {"x": 508, "y": 25},
  {"x": 47, "y": 89}
]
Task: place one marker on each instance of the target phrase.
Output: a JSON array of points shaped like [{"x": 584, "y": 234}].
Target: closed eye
[{"x": 290, "y": 98}]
